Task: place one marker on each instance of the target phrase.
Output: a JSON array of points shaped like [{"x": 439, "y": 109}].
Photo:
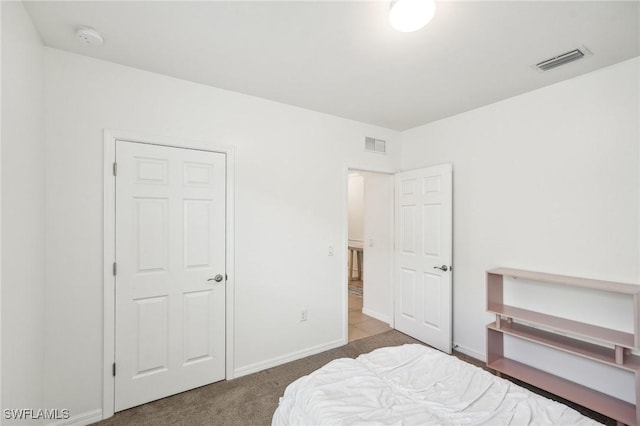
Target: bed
[{"x": 414, "y": 385}]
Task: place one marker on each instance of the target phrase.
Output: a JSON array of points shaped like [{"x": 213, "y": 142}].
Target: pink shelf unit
[{"x": 615, "y": 349}]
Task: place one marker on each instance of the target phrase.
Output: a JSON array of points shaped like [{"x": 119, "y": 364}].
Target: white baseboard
[
  {"x": 81, "y": 419},
  {"x": 377, "y": 315},
  {"x": 472, "y": 353},
  {"x": 273, "y": 362}
]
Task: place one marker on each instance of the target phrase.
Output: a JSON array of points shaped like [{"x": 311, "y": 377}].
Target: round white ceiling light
[
  {"x": 411, "y": 15},
  {"x": 89, "y": 36}
]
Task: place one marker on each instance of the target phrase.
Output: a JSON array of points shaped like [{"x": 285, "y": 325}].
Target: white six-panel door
[
  {"x": 423, "y": 247},
  {"x": 170, "y": 245}
]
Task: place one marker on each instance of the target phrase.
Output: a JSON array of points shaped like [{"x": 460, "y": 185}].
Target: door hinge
[
  {"x": 113, "y": 369},
  {"x": 115, "y": 169},
  {"x": 115, "y": 269}
]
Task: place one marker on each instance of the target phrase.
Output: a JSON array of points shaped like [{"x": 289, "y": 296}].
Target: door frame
[
  {"x": 110, "y": 138},
  {"x": 344, "y": 250}
]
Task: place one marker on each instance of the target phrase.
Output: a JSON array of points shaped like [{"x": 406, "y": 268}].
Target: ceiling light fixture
[{"x": 411, "y": 15}]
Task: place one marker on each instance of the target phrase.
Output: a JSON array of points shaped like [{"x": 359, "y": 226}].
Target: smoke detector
[{"x": 89, "y": 36}]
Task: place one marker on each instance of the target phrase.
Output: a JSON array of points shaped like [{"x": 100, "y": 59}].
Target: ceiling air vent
[
  {"x": 565, "y": 58},
  {"x": 375, "y": 145}
]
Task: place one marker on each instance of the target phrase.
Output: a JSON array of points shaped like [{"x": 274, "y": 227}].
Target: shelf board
[
  {"x": 605, "y": 335},
  {"x": 571, "y": 281},
  {"x": 617, "y": 409},
  {"x": 567, "y": 344}
]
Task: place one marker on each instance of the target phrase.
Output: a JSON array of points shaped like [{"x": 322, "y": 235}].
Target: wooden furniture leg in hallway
[{"x": 358, "y": 251}]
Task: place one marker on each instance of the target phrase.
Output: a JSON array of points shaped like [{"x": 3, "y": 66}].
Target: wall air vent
[
  {"x": 562, "y": 59},
  {"x": 375, "y": 145}
]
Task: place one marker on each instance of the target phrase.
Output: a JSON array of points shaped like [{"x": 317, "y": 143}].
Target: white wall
[
  {"x": 546, "y": 181},
  {"x": 1, "y": 404},
  {"x": 290, "y": 203},
  {"x": 378, "y": 245},
  {"x": 23, "y": 233}
]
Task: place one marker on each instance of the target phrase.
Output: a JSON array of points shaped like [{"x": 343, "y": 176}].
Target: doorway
[
  {"x": 369, "y": 253},
  {"x": 407, "y": 252},
  {"x": 168, "y": 244}
]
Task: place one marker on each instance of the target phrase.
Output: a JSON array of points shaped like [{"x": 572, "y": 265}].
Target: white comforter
[{"x": 414, "y": 385}]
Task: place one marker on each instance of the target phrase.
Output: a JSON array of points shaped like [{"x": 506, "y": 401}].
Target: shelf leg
[
  {"x": 637, "y": 383},
  {"x": 619, "y": 355}
]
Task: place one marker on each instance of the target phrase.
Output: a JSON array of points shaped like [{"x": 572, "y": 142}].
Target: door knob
[
  {"x": 444, "y": 268},
  {"x": 217, "y": 278}
]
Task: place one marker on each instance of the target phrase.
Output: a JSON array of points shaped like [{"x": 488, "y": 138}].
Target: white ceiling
[{"x": 343, "y": 58}]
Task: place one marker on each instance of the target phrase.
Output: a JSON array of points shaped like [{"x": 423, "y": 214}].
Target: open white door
[
  {"x": 423, "y": 254},
  {"x": 170, "y": 281}
]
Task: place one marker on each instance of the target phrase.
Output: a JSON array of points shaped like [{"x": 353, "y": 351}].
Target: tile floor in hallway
[{"x": 361, "y": 325}]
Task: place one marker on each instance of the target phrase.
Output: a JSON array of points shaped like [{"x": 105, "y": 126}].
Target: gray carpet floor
[
  {"x": 251, "y": 400},
  {"x": 248, "y": 400}
]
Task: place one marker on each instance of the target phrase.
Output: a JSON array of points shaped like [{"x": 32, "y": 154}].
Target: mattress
[{"x": 414, "y": 385}]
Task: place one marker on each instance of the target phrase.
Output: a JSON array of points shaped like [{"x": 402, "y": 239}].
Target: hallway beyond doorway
[{"x": 361, "y": 325}]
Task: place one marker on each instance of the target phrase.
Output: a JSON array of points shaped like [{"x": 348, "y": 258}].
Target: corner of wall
[{"x": 22, "y": 216}]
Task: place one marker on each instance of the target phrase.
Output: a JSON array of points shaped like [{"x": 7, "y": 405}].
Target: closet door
[{"x": 170, "y": 281}]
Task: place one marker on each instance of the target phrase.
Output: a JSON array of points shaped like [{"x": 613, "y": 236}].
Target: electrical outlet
[
  {"x": 303, "y": 315},
  {"x": 330, "y": 252}
]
